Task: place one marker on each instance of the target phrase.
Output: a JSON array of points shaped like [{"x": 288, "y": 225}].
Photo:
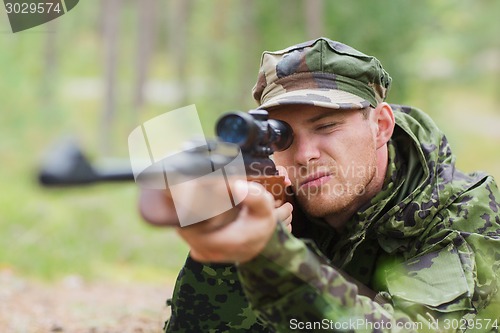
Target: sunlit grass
[
  {"x": 80, "y": 231},
  {"x": 471, "y": 121}
]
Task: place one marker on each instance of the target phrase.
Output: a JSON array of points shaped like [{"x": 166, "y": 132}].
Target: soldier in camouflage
[{"x": 387, "y": 236}]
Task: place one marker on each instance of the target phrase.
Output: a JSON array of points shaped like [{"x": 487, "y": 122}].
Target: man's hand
[
  {"x": 157, "y": 207},
  {"x": 237, "y": 235},
  {"x": 241, "y": 233}
]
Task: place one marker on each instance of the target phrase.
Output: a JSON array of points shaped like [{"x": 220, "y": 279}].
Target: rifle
[{"x": 254, "y": 133}]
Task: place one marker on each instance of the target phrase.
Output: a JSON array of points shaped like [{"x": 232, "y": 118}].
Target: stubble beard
[{"x": 338, "y": 196}]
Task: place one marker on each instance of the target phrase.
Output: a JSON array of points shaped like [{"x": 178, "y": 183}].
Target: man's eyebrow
[{"x": 320, "y": 116}]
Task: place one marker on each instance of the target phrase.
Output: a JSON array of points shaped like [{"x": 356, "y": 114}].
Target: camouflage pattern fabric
[
  {"x": 209, "y": 298},
  {"x": 428, "y": 244},
  {"x": 321, "y": 72}
]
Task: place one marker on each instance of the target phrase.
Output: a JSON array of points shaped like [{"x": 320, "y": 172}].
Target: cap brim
[{"x": 327, "y": 98}]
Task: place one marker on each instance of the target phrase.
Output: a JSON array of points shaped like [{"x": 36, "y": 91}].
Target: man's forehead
[{"x": 309, "y": 113}]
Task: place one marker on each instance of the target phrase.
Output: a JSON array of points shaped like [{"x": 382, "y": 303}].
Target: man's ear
[{"x": 384, "y": 120}]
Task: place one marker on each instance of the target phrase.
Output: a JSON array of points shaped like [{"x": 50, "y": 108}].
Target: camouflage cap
[{"x": 320, "y": 72}]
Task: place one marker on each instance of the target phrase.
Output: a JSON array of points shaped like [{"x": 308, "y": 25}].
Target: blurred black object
[
  {"x": 254, "y": 133},
  {"x": 66, "y": 165}
]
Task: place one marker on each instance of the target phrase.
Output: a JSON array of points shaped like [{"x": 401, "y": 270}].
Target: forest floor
[{"x": 73, "y": 305}]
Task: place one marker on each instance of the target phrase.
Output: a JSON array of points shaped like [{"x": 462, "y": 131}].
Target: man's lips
[{"x": 316, "y": 179}]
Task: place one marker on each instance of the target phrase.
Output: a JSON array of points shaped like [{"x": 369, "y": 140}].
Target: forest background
[{"x": 107, "y": 66}]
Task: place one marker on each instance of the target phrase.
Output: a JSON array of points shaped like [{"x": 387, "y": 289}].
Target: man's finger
[
  {"x": 157, "y": 208},
  {"x": 254, "y": 196},
  {"x": 284, "y": 214},
  {"x": 283, "y": 172},
  {"x": 285, "y": 211}
]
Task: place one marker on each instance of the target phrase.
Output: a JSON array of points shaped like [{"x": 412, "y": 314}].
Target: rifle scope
[{"x": 254, "y": 132}]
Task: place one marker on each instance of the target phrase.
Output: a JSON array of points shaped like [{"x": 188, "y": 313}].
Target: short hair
[{"x": 366, "y": 111}]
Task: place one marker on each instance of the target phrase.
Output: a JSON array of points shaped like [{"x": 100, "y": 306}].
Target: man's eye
[{"x": 325, "y": 127}]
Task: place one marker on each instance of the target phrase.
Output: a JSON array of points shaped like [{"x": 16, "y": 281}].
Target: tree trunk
[
  {"x": 249, "y": 62},
  {"x": 49, "y": 68},
  {"x": 179, "y": 14},
  {"x": 314, "y": 18},
  {"x": 110, "y": 31},
  {"x": 145, "y": 45}
]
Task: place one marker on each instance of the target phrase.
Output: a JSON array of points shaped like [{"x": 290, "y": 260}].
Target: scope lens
[
  {"x": 233, "y": 129},
  {"x": 282, "y": 134}
]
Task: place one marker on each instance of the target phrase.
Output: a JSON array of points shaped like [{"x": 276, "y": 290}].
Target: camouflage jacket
[{"x": 428, "y": 245}]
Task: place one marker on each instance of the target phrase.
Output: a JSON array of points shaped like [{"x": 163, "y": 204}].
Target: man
[{"x": 387, "y": 234}]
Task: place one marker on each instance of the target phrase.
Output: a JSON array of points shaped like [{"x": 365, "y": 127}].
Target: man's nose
[{"x": 306, "y": 151}]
